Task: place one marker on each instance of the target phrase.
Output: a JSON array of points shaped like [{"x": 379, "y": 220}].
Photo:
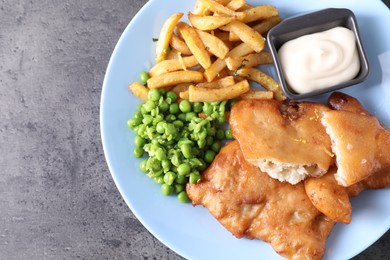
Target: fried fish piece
[
  {"x": 329, "y": 197},
  {"x": 287, "y": 141},
  {"x": 333, "y": 200},
  {"x": 360, "y": 142},
  {"x": 325, "y": 193},
  {"x": 250, "y": 204}
]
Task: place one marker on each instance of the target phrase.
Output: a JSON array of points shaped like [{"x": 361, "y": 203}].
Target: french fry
[
  {"x": 223, "y": 2},
  {"x": 250, "y": 60},
  {"x": 255, "y": 94},
  {"x": 139, "y": 90},
  {"x": 172, "y": 55},
  {"x": 247, "y": 35},
  {"x": 195, "y": 44},
  {"x": 179, "y": 45},
  {"x": 219, "y": 64},
  {"x": 184, "y": 94},
  {"x": 200, "y": 9},
  {"x": 224, "y": 36},
  {"x": 236, "y": 4},
  {"x": 221, "y": 9},
  {"x": 265, "y": 25},
  {"x": 173, "y": 65},
  {"x": 199, "y": 94},
  {"x": 207, "y": 23},
  {"x": 213, "y": 44},
  {"x": 220, "y": 83},
  {"x": 180, "y": 88},
  {"x": 174, "y": 78},
  {"x": 260, "y": 12},
  {"x": 166, "y": 35},
  {"x": 264, "y": 80}
]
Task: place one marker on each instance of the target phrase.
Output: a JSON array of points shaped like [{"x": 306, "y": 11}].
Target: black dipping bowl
[{"x": 319, "y": 21}]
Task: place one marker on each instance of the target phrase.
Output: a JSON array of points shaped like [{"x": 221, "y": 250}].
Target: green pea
[
  {"x": 201, "y": 143},
  {"x": 154, "y": 95},
  {"x": 186, "y": 150},
  {"x": 220, "y": 134},
  {"x": 139, "y": 141},
  {"x": 182, "y": 197},
  {"x": 162, "y": 91},
  {"x": 142, "y": 165},
  {"x": 181, "y": 179},
  {"x": 170, "y": 118},
  {"x": 183, "y": 169},
  {"x": 143, "y": 76},
  {"x": 198, "y": 107},
  {"x": 138, "y": 114},
  {"x": 194, "y": 178},
  {"x": 149, "y": 106},
  {"x": 209, "y": 140},
  {"x": 172, "y": 96},
  {"x": 138, "y": 152},
  {"x": 185, "y": 106},
  {"x": 178, "y": 188},
  {"x": 163, "y": 106},
  {"x": 182, "y": 117},
  {"x": 178, "y": 124},
  {"x": 166, "y": 189},
  {"x": 174, "y": 108},
  {"x": 131, "y": 123},
  {"x": 216, "y": 146},
  {"x": 160, "y": 154},
  {"x": 221, "y": 119},
  {"x": 166, "y": 165},
  {"x": 169, "y": 178},
  {"x": 170, "y": 129},
  {"x": 207, "y": 108},
  {"x": 159, "y": 179},
  {"x": 209, "y": 156},
  {"x": 228, "y": 134},
  {"x": 190, "y": 116},
  {"x": 160, "y": 127}
]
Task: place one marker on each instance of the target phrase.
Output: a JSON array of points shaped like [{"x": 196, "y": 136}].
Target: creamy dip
[{"x": 320, "y": 60}]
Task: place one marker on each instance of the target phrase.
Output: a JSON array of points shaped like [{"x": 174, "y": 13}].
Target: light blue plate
[{"x": 191, "y": 231}]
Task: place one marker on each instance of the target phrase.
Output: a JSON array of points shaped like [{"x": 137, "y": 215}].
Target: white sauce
[{"x": 320, "y": 60}]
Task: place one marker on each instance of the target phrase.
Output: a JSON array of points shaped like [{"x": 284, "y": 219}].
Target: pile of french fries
[{"x": 215, "y": 55}]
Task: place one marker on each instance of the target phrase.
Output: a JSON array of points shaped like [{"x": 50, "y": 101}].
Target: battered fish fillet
[
  {"x": 333, "y": 200},
  {"x": 361, "y": 144},
  {"x": 250, "y": 204},
  {"x": 325, "y": 193},
  {"x": 329, "y": 197},
  {"x": 287, "y": 141}
]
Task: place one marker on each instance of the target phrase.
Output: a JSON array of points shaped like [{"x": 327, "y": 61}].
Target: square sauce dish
[{"x": 318, "y": 52}]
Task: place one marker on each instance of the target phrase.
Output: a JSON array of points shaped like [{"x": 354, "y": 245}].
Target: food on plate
[
  {"x": 320, "y": 60},
  {"x": 325, "y": 193},
  {"x": 360, "y": 143},
  {"x": 179, "y": 143},
  {"x": 329, "y": 197},
  {"x": 166, "y": 35},
  {"x": 263, "y": 79},
  {"x": 139, "y": 90},
  {"x": 204, "y": 50},
  {"x": 287, "y": 141},
  {"x": 249, "y": 203},
  {"x": 247, "y": 34},
  {"x": 199, "y": 94}
]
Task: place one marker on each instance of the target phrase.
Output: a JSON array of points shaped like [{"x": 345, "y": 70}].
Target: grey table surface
[{"x": 57, "y": 197}]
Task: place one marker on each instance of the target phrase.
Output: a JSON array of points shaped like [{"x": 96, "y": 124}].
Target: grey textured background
[{"x": 57, "y": 198}]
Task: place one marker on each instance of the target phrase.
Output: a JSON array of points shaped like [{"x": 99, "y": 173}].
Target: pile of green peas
[{"x": 178, "y": 143}]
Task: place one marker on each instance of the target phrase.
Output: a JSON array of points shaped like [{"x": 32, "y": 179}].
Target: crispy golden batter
[
  {"x": 359, "y": 141},
  {"x": 329, "y": 197},
  {"x": 324, "y": 192},
  {"x": 287, "y": 141},
  {"x": 249, "y": 203}
]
